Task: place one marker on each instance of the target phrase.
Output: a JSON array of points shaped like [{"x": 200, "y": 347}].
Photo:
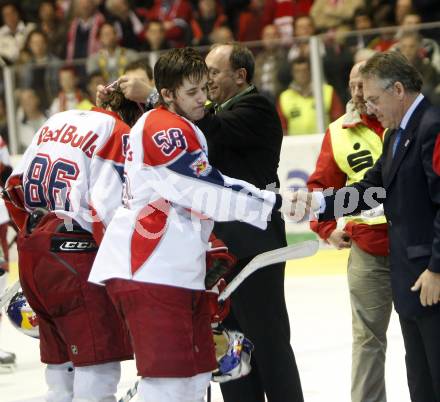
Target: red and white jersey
[
  {"x": 75, "y": 165},
  {"x": 172, "y": 196}
]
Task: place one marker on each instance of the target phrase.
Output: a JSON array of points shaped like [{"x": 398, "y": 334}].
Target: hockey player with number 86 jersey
[{"x": 62, "y": 195}]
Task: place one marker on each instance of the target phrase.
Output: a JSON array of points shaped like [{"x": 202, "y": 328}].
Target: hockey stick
[
  {"x": 9, "y": 293},
  {"x": 130, "y": 393},
  {"x": 299, "y": 250}
]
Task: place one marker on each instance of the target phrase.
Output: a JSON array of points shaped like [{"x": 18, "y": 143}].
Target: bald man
[{"x": 351, "y": 146}]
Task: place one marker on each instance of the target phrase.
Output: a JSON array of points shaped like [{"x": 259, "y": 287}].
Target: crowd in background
[{"x": 63, "y": 49}]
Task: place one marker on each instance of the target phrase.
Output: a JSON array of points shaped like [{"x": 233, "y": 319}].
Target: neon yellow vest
[
  {"x": 355, "y": 151},
  {"x": 300, "y": 111}
]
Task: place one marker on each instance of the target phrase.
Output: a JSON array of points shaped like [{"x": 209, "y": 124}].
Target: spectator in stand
[
  {"x": 410, "y": 45},
  {"x": 53, "y": 26},
  {"x": 111, "y": 59},
  {"x": 338, "y": 61},
  {"x": 329, "y": 14},
  {"x": 361, "y": 21},
  {"x": 283, "y": 14},
  {"x": 64, "y": 8},
  {"x": 93, "y": 80},
  {"x": 232, "y": 9},
  {"x": 154, "y": 37},
  {"x": 82, "y": 37},
  {"x": 384, "y": 41},
  {"x": 208, "y": 16},
  {"x": 401, "y": 9},
  {"x": 429, "y": 10},
  {"x": 128, "y": 24},
  {"x": 431, "y": 47},
  {"x": 13, "y": 32},
  {"x": 70, "y": 95},
  {"x": 222, "y": 34},
  {"x": 154, "y": 40},
  {"x": 381, "y": 11},
  {"x": 41, "y": 71},
  {"x": 251, "y": 22},
  {"x": 411, "y": 19},
  {"x": 176, "y": 17},
  {"x": 30, "y": 117},
  {"x": 280, "y": 13},
  {"x": 268, "y": 64},
  {"x": 296, "y": 104},
  {"x": 303, "y": 28}
]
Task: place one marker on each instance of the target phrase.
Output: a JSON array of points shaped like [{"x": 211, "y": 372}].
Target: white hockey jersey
[
  {"x": 75, "y": 164},
  {"x": 172, "y": 196}
]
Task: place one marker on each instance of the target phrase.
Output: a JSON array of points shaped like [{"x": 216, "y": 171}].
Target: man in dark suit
[
  {"x": 244, "y": 140},
  {"x": 409, "y": 172}
]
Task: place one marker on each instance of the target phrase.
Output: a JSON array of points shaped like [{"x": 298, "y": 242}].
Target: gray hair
[{"x": 391, "y": 67}]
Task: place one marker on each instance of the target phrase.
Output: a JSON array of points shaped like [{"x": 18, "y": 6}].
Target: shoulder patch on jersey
[
  {"x": 201, "y": 166},
  {"x": 166, "y": 135}
]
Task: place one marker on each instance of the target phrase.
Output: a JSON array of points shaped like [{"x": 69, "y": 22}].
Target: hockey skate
[{"x": 7, "y": 360}]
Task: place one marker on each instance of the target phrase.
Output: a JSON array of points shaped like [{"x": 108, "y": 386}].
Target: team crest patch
[{"x": 201, "y": 167}]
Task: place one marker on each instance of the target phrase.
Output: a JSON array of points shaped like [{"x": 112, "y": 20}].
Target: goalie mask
[
  {"x": 233, "y": 352},
  {"x": 22, "y": 316}
]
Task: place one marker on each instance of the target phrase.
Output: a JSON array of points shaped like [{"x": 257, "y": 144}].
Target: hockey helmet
[
  {"x": 22, "y": 316},
  {"x": 233, "y": 352}
]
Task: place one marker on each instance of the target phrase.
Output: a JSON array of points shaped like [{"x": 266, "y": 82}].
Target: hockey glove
[
  {"x": 218, "y": 311},
  {"x": 219, "y": 261}
]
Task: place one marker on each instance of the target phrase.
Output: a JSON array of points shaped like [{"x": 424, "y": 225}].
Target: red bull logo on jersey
[
  {"x": 68, "y": 134},
  {"x": 201, "y": 167}
]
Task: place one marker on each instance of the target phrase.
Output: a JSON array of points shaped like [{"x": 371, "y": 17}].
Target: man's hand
[
  {"x": 134, "y": 88},
  {"x": 429, "y": 285},
  {"x": 339, "y": 239},
  {"x": 299, "y": 205},
  {"x": 102, "y": 94}
]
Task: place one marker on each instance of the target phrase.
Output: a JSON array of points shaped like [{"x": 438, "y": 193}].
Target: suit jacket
[
  {"x": 244, "y": 142},
  {"x": 411, "y": 205}
]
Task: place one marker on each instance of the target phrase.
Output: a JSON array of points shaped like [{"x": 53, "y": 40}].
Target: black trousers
[
  {"x": 259, "y": 311},
  {"x": 421, "y": 336}
]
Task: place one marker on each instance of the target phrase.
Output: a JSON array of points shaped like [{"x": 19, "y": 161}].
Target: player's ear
[{"x": 167, "y": 95}]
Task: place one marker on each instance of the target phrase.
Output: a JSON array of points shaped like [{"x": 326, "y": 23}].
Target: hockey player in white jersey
[
  {"x": 152, "y": 257},
  {"x": 62, "y": 196}
]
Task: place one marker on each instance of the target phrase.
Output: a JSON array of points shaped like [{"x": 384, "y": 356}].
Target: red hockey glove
[
  {"x": 218, "y": 261},
  {"x": 218, "y": 311}
]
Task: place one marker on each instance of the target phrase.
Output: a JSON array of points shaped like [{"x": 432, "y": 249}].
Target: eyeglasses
[{"x": 372, "y": 102}]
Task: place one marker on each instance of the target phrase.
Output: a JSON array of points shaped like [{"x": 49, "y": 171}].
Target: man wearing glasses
[
  {"x": 406, "y": 178},
  {"x": 349, "y": 149}
]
